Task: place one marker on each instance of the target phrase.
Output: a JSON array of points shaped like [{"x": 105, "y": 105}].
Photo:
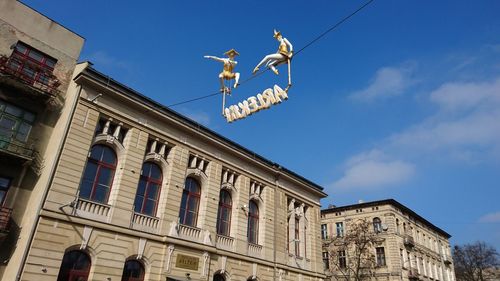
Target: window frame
[
  {"x": 129, "y": 278},
  {"x": 253, "y": 223},
  {"x": 70, "y": 274},
  {"x": 324, "y": 231},
  {"x": 377, "y": 225},
  {"x": 221, "y": 230},
  {"x": 41, "y": 70},
  {"x": 187, "y": 197},
  {"x": 100, "y": 166},
  {"x": 380, "y": 256},
  {"x": 342, "y": 258},
  {"x": 19, "y": 121},
  {"x": 339, "y": 229},
  {"x": 149, "y": 181}
]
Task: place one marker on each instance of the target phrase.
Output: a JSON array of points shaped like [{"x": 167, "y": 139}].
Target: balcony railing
[
  {"x": 409, "y": 241},
  {"x": 413, "y": 274},
  {"x": 92, "y": 210},
  {"x": 446, "y": 258},
  {"x": 23, "y": 151},
  {"x": 36, "y": 76},
  {"x": 144, "y": 222},
  {"x": 225, "y": 242},
  {"x": 5, "y": 214},
  {"x": 254, "y": 250}
]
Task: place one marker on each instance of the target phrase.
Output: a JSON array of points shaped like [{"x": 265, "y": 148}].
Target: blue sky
[{"x": 402, "y": 101}]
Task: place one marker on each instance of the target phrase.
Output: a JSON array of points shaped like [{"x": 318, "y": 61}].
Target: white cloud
[
  {"x": 491, "y": 218},
  {"x": 465, "y": 127},
  {"x": 388, "y": 82},
  {"x": 467, "y": 122},
  {"x": 372, "y": 170}
]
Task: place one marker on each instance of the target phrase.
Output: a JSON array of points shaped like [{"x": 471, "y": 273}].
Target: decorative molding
[
  {"x": 87, "y": 231},
  {"x": 206, "y": 263},
  {"x": 170, "y": 251},
  {"x": 141, "y": 247}
]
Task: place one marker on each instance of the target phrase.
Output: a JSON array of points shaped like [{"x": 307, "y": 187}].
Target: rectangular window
[
  {"x": 342, "y": 259},
  {"x": 31, "y": 65},
  {"x": 326, "y": 260},
  {"x": 15, "y": 123},
  {"x": 324, "y": 231},
  {"x": 4, "y": 188},
  {"x": 340, "y": 229},
  {"x": 380, "y": 256}
]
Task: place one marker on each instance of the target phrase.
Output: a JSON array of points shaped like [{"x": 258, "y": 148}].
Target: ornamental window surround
[
  {"x": 190, "y": 202},
  {"x": 148, "y": 189},
  {"x": 99, "y": 174}
]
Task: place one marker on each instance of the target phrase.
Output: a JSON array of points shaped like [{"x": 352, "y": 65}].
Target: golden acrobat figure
[
  {"x": 284, "y": 54},
  {"x": 227, "y": 70}
]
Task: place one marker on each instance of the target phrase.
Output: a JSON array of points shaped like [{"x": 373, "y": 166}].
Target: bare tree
[
  {"x": 474, "y": 262},
  {"x": 351, "y": 255}
]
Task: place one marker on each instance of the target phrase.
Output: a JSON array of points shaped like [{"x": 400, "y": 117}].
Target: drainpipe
[{"x": 46, "y": 192}]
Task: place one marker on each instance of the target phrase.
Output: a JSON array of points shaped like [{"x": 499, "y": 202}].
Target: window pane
[
  {"x": 192, "y": 204},
  {"x": 109, "y": 156},
  {"x": 86, "y": 189},
  {"x": 14, "y": 110},
  {"x": 4, "y": 183},
  {"x": 138, "y": 203},
  {"x": 149, "y": 207},
  {"x": 21, "y": 48},
  {"x": 23, "y": 132},
  {"x": 153, "y": 190},
  {"x": 100, "y": 193},
  {"x": 105, "y": 176},
  {"x": 141, "y": 188},
  {"x": 35, "y": 55},
  {"x": 96, "y": 152}
]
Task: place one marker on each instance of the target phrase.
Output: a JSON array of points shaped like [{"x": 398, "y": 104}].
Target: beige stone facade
[
  {"x": 37, "y": 59},
  {"x": 410, "y": 247},
  {"x": 112, "y": 231}
]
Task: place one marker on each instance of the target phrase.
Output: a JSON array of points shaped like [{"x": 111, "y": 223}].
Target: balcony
[
  {"x": 413, "y": 275},
  {"x": 254, "y": 250},
  {"x": 225, "y": 242},
  {"x": 21, "y": 151},
  {"x": 31, "y": 79},
  {"x": 447, "y": 259},
  {"x": 145, "y": 223},
  {"x": 5, "y": 214},
  {"x": 92, "y": 210},
  {"x": 409, "y": 241}
]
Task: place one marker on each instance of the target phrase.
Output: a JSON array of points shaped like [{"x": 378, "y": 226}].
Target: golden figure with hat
[
  {"x": 283, "y": 55},
  {"x": 227, "y": 69}
]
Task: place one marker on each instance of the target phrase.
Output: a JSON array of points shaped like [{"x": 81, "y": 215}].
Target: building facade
[
  {"x": 405, "y": 245},
  {"x": 143, "y": 193},
  {"x": 37, "y": 59}
]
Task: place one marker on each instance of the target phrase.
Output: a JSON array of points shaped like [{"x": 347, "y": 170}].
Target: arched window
[
  {"x": 224, "y": 214},
  {"x": 148, "y": 191},
  {"x": 99, "y": 173},
  {"x": 377, "y": 225},
  {"x": 75, "y": 266},
  {"x": 253, "y": 223},
  {"x": 219, "y": 277},
  {"x": 188, "y": 214},
  {"x": 133, "y": 271}
]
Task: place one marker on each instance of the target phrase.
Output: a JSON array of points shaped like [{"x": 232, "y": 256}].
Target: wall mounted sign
[{"x": 187, "y": 262}]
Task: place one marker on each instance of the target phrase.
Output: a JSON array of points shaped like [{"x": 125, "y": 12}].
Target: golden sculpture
[
  {"x": 227, "y": 69},
  {"x": 283, "y": 55}
]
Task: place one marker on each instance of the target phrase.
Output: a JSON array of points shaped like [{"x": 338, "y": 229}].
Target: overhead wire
[{"x": 317, "y": 38}]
